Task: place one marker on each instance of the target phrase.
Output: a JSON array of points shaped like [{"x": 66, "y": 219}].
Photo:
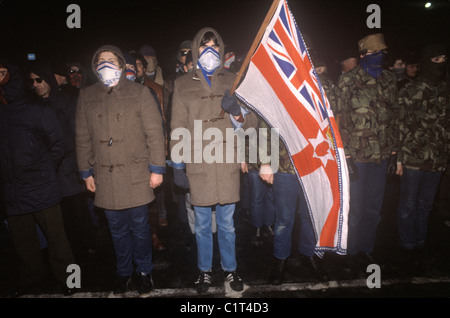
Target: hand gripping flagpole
[{"x": 255, "y": 44}]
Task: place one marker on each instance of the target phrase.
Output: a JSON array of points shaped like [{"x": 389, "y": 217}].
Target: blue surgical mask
[
  {"x": 209, "y": 61},
  {"x": 373, "y": 64}
]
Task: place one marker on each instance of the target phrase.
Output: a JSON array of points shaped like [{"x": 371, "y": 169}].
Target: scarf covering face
[
  {"x": 228, "y": 61},
  {"x": 209, "y": 61},
  {"x": 399, "y": 73},
  {"x": 131, "y": 75},
  {"x": 109, "y": 74},
  {"x": 372, "y": 64}
]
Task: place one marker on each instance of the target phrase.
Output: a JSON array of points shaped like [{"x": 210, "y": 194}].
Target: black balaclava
[{"x": 432, "y": 71}]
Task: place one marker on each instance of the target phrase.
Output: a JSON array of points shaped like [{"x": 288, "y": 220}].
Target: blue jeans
[
  {"x": 418, "y": 190},
  {"x": 225, "y": 234},
  {"x": 261, "y": 206},
  {"x": 132, "y": 239},
  {"x": 288, "y": 199},
  {"x": 366, "y": 201}
]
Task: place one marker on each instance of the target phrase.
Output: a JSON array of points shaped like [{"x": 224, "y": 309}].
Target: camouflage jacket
[
  {"x": 425, "y": 125},
  {"x": 367, "y": 109},
  {"x": 329, "y": 88}
]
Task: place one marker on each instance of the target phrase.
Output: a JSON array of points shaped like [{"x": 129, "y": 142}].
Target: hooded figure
[
  {"x": 121, "y": 156},
  {"x": 64, "y": 105},
  {"x": 214, "y": 182},
  {"x": 122, "y": 115},
  {"x": 430, "y": 70},
  {"x": 28, "y": 124},
  {"x": 31, "y": 149},
  {"x": 198, "y": 96}
]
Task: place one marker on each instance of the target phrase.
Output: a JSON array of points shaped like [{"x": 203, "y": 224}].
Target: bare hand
[
  {"x": 155, "y": 180},
  {"x": 399, "y": 170},
  {"x": 90, "y": 183},
  {"x": 266, "y": 173}
]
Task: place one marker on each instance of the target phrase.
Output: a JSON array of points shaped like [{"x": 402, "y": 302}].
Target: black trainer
[
  {"x": 235, "y": 281},
  {"x": 145, "y": 285},
  {"x": 121, "y": 285},
  {"x": 203, "y": 281}
]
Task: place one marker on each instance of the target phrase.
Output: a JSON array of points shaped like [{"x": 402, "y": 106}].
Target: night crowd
[{"x": 78, "y": 138}]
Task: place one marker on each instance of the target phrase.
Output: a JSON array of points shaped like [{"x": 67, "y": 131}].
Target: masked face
[
  {"x": 131, "y": 72},
  {"x": 209, "y": 60},
  {"x": 373, "y": 63},
  {"x": 229, "y": 58},
  {"x": 108, "y": 73},
  {"x": 434, "y": 69}
]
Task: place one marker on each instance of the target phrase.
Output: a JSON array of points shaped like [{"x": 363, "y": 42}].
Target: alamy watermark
[
  {"x": 374, "y": 279},
  {"x": 74, "y": 19},
  {"x": 237, "y": 146},
  {"x": 374, "y": 20}
]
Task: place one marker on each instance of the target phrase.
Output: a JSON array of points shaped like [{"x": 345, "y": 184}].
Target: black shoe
[
  {"x": 203, "y": 281},
  {"x": 145, "y": 285},
  {"x": 316, "y": 267},
  {"x": 267, "y": 232},
  {"x": 278, "y": 270},
  {"x": 257, "y": 240},
  {"x": 68, "y": 291},
  {"x": 235, "y": 281},
  {"x": 121, "y": 285}
]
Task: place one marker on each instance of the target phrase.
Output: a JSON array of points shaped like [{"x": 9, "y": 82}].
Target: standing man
[
  {"x": 121, "y": 157},
  {"x": 74, "y": 204},
  {"x": 425, "y": 145},
  {"x": 31, "y": 150},
  {"x": 368, "y": 110},
  {"x": 198, "y": 99}
]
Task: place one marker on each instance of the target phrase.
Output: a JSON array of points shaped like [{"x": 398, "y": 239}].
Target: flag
[{"x": 282, "y": 86}]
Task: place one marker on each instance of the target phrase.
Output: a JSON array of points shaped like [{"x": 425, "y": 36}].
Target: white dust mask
[
  {"x": 209, "y": 60},
  {"x": 108, "y": 73}
]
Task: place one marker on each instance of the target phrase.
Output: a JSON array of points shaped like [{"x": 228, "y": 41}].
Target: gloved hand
[
  {"x": 230, "y": 104},
  {"x": 180, "y": 178},
  {"x": 392, "y": 165},
  {"x": 352, "y": 169}
]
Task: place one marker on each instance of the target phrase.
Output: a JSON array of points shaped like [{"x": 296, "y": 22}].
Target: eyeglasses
[
  {"x": 76, "y": 71},
  {"x": 184, "y": 53},
  {"x": 37, "y": 79}
]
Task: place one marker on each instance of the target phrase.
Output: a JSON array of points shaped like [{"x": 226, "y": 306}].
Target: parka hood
[
  {"x": 197, "y": 40},
  {"x": 45, "y": 71},
  {"x": 118, "y": 52},
  {"x": 15, "y": 88}
]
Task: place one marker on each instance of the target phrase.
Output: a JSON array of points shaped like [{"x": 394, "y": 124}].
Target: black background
[{"x": 40, "y": 26}]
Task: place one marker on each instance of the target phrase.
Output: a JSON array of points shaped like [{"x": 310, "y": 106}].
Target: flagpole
[{"x": 255, "y": 44}]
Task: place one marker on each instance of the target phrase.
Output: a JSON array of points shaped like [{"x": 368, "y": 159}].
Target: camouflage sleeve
[
  {"x": 405, "y": 103},
  {"x": 395, "y": 136},
  {"x": 343, "y": 95}
]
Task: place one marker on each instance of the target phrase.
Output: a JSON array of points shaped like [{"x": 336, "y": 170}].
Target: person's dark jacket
[
  {"x": 31, "y": 148},
  {"x": 64, "y": 105}
]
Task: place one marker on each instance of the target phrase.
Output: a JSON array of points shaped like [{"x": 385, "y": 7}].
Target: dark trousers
[
  {"x": 25, "y": 240},
  {"x": 366, "y": 201},
  {"x": 78, "y": 223}
]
